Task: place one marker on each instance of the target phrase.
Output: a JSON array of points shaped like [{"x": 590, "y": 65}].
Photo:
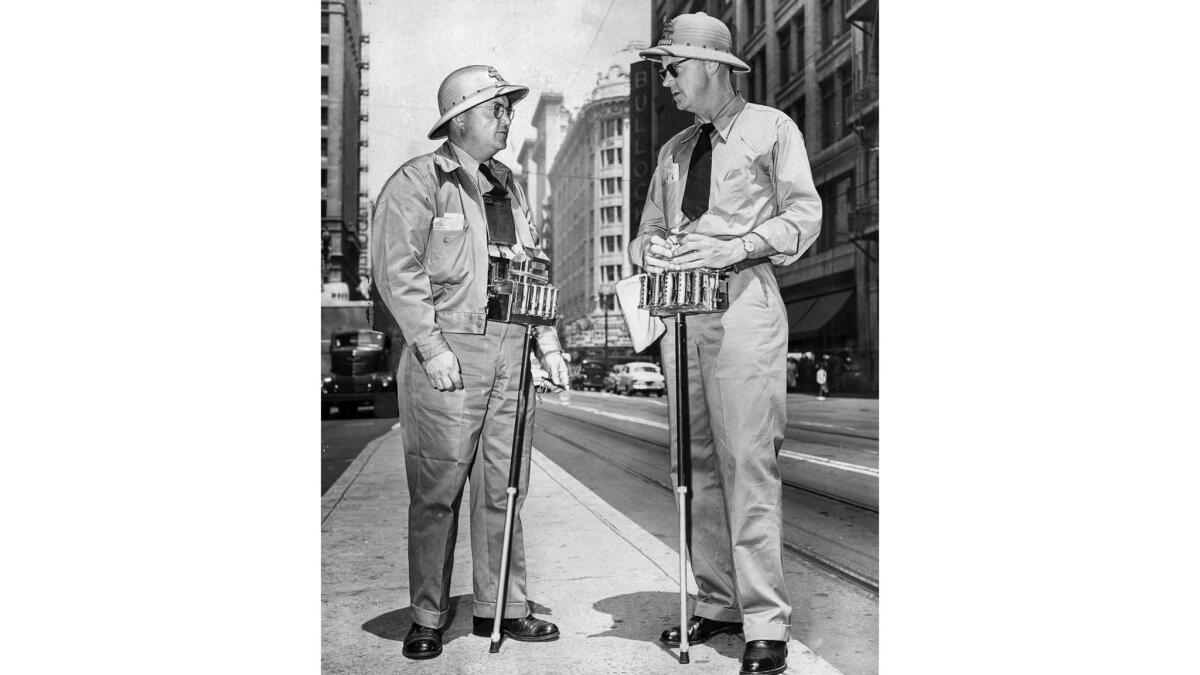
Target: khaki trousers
[
  {"x": 737, "y": 382},
  {"x": 453, "y": 437}
]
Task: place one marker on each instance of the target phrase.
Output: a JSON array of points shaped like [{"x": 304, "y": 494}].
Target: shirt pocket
[{"x": 447, "y": 258}]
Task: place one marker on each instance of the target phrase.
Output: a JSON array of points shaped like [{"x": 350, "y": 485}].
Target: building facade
[
  {"x": 817, "y": 61},
  {"x": 345, "y": 209},
  {"x": 551, "y": 120},
  {"x": 590, "y": 198}
]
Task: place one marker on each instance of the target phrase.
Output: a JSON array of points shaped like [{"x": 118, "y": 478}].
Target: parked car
[
  {"x": 589, "y": 376},
  {"x": 360, "y": 374},
  {"x": 640, "y": 378}
]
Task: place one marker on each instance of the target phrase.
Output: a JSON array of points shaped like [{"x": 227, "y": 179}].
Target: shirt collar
[
  {"x": 724, "y": 117},
  {"x": 466, "y": 160}
]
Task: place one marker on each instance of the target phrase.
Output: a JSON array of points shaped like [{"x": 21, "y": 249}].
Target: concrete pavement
[{"x": 609, "y": 585}]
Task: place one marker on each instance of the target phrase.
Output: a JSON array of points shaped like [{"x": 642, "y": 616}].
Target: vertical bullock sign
[{"x": 641, "y": 151}]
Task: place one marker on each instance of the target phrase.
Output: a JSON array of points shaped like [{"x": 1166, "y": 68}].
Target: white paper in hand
[{"x": 643, "y": 328}]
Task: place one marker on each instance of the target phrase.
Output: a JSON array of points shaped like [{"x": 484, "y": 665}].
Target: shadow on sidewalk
[
  {"x": 394, "y": 625},
  {"x": 644, "y": 615}
]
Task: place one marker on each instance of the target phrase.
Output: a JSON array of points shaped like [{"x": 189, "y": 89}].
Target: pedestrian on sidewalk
[
  {"x": 822, "y": 379},
  {"x": 437, "y": 222},
  {"x": 731, "y": 191}
]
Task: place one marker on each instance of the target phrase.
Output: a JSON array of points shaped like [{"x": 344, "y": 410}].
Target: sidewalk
[{"x": 608, "y": 584}]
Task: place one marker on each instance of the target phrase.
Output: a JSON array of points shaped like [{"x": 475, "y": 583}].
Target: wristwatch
[{"x": 747, "y": 246}]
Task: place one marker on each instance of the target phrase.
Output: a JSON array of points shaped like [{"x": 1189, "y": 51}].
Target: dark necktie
[
  {"x": 695, "y": 193},
  {"x": 498, "y": 211}
]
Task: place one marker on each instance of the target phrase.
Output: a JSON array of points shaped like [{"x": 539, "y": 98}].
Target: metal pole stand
[
  {"x": 683, "y": 448},
  {"x": 514, "y": 475}
]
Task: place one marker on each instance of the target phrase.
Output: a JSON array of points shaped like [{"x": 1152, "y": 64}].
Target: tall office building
[
  {"x": 551, "y": 119},
  {"x": 589, "y": 192},
  {"x": 817, "y": 61},
  {"x": 344, "y": 204}
]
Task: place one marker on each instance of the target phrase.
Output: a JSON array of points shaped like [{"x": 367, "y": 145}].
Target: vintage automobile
[
  {"x": 360, "y": 374},
  {"x": 589, "y": 376},
  {"x": 639, "y": 377}
]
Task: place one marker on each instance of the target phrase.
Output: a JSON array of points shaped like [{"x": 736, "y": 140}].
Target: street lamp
[{"x": 606, "y": 291}]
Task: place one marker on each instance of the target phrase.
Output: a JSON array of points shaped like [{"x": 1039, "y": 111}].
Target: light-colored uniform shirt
[
  {"x": 522, "y": 224},
  {"x": 761, "y": 183}
]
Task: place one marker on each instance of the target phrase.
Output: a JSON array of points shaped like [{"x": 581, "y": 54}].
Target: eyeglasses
[
  {"x": 671, "y": 69},
  {"x": 500, "y": 111}
]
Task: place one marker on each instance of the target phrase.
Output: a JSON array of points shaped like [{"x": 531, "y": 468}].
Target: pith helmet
[
  {"x": 696, "y": 36},
  {"x": 466, "y": 88}
]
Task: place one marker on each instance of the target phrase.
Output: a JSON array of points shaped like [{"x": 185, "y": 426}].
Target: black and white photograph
[
  {"x": 600, "y": 286},
  {"x": 606, "y": 359}
]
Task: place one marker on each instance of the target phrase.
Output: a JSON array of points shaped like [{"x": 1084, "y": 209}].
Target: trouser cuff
[
  {"x": 512, "y": 610},
  {"x": 715, "y": 613},
  {"x": 429, "y": 618},
  {"x": 766, "y": 631}
]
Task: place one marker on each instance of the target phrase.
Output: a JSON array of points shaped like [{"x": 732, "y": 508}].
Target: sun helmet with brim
[
  {"x": 466, "y": 88},
  {"x": 696, "y": 36}
]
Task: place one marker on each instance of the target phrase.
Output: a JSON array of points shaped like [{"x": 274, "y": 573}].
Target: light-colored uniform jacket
[{"x": 429, "y": 250}]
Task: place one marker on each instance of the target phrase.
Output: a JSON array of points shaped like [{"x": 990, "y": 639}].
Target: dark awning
[{"x": 811, "y": 314}]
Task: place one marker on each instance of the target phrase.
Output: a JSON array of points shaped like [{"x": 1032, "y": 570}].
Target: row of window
[
  {"x": 610, "y": 215},
  {"x": 833, "y": 19},
  {"x": 611, "y": 128},
  {"x": 612, "y": 156},
  {"x": 610, "y": 186},
  {"x": 610, "y": 244}
]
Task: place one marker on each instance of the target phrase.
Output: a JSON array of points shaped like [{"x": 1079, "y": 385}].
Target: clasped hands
[
  {"x": 445, "y": 374},
  {"x": 689, "y": 251}
]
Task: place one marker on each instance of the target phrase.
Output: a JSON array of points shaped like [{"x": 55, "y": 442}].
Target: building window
[
  {"x": 610, "y": 244},
  {"x": 323, "y": 205},
  {"x": 612, "y": 156},
  {"x": 801, "y": 43},
  {"x": 751, "y": 19},
  {"x": 324, "y": 55},
  {"x": 324, "y": 24},
  {"x": 845, "y": 79},
  {"x": 610, "y": 215},
  {"x": 324, "y": 115},
  {"x": 831, "y": 23},
  {"x": 611, "y": 128},
  {"x": 610, "y": 186},
  {"x": 785, "y": 54},
  {"x": 828, "y": 111},
  {"x": 799, "y": 115},
  {"x": 610, "y": 273},
  {"x": 324, "y": 85},
  {"x": 324, "y": 147},
  {"x": 324, "y": 177}
]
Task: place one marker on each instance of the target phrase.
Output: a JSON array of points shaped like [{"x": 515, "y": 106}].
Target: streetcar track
[
  {"x": 797, "y": 486},
  {"x": 830, "y": 566}
]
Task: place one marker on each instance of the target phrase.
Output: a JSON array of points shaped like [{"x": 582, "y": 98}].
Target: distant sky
[{"x": 542, "y": 44}]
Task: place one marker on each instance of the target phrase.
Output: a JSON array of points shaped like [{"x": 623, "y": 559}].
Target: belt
[{"x": 747, "y": 263}]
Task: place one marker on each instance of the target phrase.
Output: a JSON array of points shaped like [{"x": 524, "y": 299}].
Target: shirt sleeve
[
  {"x": 791, "y": 232},
  {"x": 653, "y": 221},
  {"x": 402, "y": 221}
]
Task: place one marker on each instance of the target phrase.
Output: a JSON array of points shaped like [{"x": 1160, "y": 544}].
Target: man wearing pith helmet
[
  {"x": 732, "y": 192},
  {"x": 437, "y": 222}
]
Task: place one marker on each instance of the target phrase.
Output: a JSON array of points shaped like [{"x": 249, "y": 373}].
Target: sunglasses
[{"x": 672, "y": 70}]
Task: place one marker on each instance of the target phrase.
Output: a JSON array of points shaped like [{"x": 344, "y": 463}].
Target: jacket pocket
[{"x": 448, "y": 258}]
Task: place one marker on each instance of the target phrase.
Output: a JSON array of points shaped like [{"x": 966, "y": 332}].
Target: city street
[{"x": 616, "y": 446}]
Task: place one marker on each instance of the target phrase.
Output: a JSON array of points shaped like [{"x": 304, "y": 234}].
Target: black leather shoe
[
  {"x": 529, "y": 629},
  {"x": 422, "y": 642},
  {"x": 700, "y": 630},
  {"x": 764, "y": 657}
]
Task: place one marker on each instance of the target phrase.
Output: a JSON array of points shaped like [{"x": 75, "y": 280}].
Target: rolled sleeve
[
  {"x": 401, "y": 221},
  {"x": 653, "y": 221},
  {"x": 798, "y": 222}
]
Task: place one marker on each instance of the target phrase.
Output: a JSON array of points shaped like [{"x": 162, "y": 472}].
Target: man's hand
[
  {"x": 557, "y": 367},
  {"x": 443, "y": 372},
  {"x": 656, "y": 255},
  {"x": 701, "y": 250}
]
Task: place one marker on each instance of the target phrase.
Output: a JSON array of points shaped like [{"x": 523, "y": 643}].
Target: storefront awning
[{"x": 811, "y": 314}]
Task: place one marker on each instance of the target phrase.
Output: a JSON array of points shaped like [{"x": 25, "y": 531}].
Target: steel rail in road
[
  {"x": 803, "y": 488},
  {"x": 830, "y": 566}
]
